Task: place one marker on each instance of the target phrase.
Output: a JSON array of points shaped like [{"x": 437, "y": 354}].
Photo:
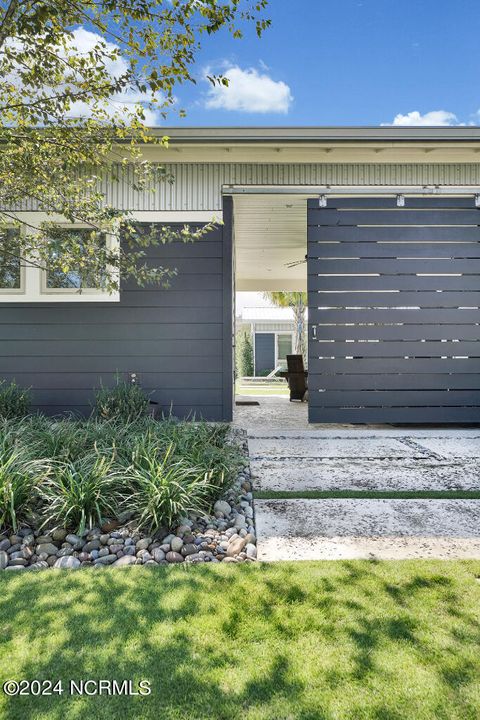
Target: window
[
  {"x": 10, "y": 266},
  {"x": 58, "y": 280},
  {"x": 30, "y": 282},
  {"x": 284, "y": 348}
]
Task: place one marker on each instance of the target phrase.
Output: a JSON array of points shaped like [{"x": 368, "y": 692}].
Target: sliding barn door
[{"x": 394, "y": 319}]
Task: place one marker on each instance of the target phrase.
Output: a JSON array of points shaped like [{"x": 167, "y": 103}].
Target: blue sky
[{"x": 346, "y": 62}]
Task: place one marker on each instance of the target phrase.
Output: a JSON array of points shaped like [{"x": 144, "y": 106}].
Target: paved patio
[{"x": 288, "y": 455}]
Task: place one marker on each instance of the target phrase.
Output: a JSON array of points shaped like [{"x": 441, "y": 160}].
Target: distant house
[{"x": 272, "y": 330}]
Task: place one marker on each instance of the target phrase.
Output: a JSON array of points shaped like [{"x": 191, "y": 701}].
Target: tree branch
[{"x": 7, "y": 18}]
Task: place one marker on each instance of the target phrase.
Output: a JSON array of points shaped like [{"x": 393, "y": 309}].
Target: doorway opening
[{"x": 271, "y": 323}]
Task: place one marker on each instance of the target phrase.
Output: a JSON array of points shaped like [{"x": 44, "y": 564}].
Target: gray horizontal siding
[
  {"x": 197, "y": 186},
  {"x": 171, "y": 338}
]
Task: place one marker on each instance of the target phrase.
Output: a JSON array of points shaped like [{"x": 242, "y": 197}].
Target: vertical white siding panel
[{"x": 197, "y": 186}]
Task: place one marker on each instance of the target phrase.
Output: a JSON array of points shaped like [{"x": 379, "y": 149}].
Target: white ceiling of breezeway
[{"x": 270, "y": 231}]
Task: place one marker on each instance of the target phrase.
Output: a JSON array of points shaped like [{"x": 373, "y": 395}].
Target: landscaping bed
[{"x": 94, "y": 493}]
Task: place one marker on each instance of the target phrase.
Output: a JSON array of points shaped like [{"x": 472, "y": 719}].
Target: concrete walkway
[{"x": 367, "y": 459}]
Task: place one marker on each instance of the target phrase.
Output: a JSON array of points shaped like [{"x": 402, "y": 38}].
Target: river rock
[
  {"x": 48, "y": 548},
  {"x": 75, "y": 541},
  {"x": 236, "y": 546},
  {"x": 59, "y": 534},
  {"x": 174, "y": 557},
  {"x": 158, "y": 554},
  {"x": 67, "y": 562},
  {"x": 223, "y": 507},
  {"x": 124, "y": 561},
  {"x": 143, "y": 544},
  {"x": 176, "y": 544},
  {"x": 91, "y": 545}
]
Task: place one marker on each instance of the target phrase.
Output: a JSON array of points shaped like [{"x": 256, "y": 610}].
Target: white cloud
[
  {"x": 122, "y": 104},
  {"x": 249, "y": 91},
  {"x": 434, "y": 117},
  {"x": 84, "y": 41}
]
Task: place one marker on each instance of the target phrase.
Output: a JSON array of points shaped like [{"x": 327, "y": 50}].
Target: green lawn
[
  {"x": 305, "y": 641},
  {"x": 262, "y": 389}
]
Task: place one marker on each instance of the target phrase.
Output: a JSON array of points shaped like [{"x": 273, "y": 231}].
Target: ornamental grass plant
[{"x": 75, "y": 473}]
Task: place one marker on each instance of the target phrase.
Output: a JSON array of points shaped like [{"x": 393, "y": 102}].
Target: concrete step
[
  {"x": 367, "y": 529},
  {"x": 300, "y": 474},
  {"x": 348, "y": 448}
]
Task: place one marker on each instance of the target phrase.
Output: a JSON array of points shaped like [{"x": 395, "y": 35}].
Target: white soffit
[{"x": 270, "y": 232}]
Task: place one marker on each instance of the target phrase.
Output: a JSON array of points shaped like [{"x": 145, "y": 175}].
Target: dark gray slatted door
[{"x": 394, "y": 319}]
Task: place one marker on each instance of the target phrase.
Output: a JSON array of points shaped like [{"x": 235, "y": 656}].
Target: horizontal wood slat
[
  {"x": 407, "y": 381},
  {"x": 395, "y": 398},
  {"x": 398, "y": 332},
  {"x": 324, "y": 233},
  {"x": 388, "y": 348},
  {"x": 397, "y": 216},
  {"x": 405, "y": 250},
  {"x": 395, "y": 315},
  {"x": 448, "y": 299},
  {"x": 382, "y": 366},
  {"x": 388, "y": 266},
  {"x": 459, "y": 282},
  {"x": 396, "y": 311}
]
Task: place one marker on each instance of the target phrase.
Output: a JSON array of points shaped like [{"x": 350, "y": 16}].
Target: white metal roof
[{"x": 268, "y": 314}]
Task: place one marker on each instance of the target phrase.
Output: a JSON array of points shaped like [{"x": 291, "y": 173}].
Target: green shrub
[
  {"x": 244, "y": 354},
  {"x": 14, "y": 400},
  {"x": 76, "y": 472},
  {"x": 124, "y": 402},
  {"x": 164, "y": 490},
  {"x": 18, "y": 484},
  {"x": 82, "y": 493}
]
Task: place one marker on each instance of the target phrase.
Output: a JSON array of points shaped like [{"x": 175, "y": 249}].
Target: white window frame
[
  {"x": 16, "y": 292},
  {"x": 276, "y": 333},
  {"x": 33, "y": 283},
  {"x": 112, "y": 244}
]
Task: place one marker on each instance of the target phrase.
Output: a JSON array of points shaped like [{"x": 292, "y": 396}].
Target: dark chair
[{"x": 296, "y": 377}]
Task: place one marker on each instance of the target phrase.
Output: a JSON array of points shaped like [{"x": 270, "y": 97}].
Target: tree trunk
[{"x": 299, "y": 337}]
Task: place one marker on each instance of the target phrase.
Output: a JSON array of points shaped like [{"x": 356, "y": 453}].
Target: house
[
  {"x": 389, "y": 220},
  {"x": 272, "y": 331}
]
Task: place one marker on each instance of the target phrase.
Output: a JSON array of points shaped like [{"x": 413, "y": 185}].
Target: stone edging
[{"x": 226, "y": 536}]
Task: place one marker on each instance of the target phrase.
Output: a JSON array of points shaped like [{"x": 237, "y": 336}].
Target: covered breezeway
[{"x": 394, "y": 295}]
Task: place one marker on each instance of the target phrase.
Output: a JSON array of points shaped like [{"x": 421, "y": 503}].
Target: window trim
[
  {"x": 15, "y": 292},
  {"x": 33, "y": 284},
  {"x": 112, "y": 243},
  {"x": 289, "y": 333},
  {"x": 275, "y": 333}
]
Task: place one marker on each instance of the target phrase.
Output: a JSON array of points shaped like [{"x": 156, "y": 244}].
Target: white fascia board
[{"x": 312, "y": 191}]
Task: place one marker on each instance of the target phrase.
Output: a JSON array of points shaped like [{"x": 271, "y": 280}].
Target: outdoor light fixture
[
  {"x": 400, "y": 200},
  {"x": 322, "y": 201}
]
